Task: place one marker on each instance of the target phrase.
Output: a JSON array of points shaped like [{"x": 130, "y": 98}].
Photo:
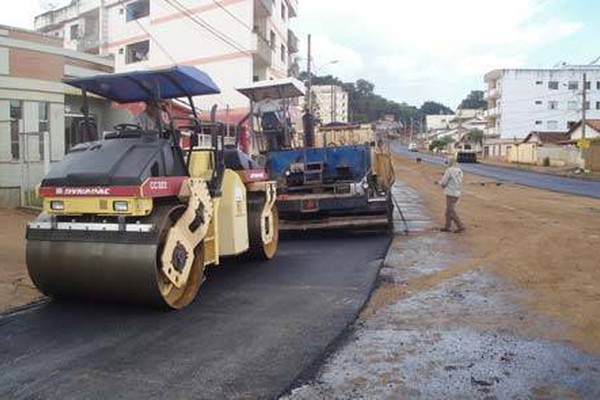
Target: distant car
[{"x": 412, "y": 147}]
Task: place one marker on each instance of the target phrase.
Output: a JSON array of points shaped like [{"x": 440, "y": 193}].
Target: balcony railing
[
  {"x": 263, "y": 8},
  {"x": 263, "y": 49},
  {"x": 293, "y": 7},
  {"x": 88, "y": 43},
  {"x": 292, "y": 42}
]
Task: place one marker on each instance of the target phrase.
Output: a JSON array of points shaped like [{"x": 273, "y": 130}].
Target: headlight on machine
[
  {"x": 120, "y": 206},
  {"x": 57, "y": 205}
]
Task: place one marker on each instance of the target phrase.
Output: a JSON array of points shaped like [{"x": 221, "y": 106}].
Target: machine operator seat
[{"x": 238, "y": 160}]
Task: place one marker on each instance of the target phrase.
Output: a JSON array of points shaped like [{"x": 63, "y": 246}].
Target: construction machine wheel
[
  {"x": 127, "y": 269},
  {"x": 259, "y": 250},
  {"x": 174, "y": 297}
]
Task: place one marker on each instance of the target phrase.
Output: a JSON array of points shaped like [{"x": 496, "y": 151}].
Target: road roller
[{"x": 135, "y": 217}]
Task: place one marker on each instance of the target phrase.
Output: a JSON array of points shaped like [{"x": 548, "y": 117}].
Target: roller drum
[{"x": 110, "y": 267}]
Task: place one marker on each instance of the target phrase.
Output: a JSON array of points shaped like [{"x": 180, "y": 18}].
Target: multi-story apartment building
[
  {"x": 331, "y": 102},
  {"x": 235, "y": 41},
  {"x": 544, "y": 100}
]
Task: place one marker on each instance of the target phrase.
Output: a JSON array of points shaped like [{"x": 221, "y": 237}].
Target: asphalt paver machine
[
  {"x": 136, "y": 218},
  {"x": 334, "y": 185}
]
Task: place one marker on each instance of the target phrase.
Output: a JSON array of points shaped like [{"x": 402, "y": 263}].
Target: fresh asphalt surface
[
  {"x": 560, "y": 184},
  {"x": 252, "y": 331}
]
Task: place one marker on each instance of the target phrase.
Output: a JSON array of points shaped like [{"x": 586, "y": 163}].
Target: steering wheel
[{"x": 127, "y": 127}]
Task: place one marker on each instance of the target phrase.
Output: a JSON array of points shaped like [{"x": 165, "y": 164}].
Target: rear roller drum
[{"x": 260, "y": 250}]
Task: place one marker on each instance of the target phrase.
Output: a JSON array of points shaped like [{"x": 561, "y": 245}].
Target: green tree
[
  {"x": 434, "y": 108},
  {"x": 474, "y": 101},
  {"x": 475, "y": 136},
  {"x": 440, "y": 143}
]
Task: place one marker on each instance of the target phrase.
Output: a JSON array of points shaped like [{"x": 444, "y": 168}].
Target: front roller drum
[
  {"x": 120, "y": 271},
  {"x": 259, "y": 249}
]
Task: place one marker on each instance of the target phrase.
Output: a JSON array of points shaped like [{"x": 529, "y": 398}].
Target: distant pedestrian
[{"x": 451, "y": 182}]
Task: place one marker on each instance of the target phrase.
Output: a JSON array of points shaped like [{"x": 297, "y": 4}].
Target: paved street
[
  {"x": 533, "y": 179},
  {"x": 252, "y": 331}
]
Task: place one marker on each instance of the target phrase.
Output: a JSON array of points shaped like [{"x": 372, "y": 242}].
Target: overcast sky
[{"x": 422, "y": 50}]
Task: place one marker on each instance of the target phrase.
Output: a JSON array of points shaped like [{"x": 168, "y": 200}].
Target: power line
[
  {"x": 250, "y": 28},
  {"x": 206, "y": 26}
]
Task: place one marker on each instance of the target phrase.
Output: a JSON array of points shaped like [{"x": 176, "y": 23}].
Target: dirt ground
[
  {"x": 16, "y": 289},
  {"x": 542, "y": 242},
  {"x": 507, "y": 309}
]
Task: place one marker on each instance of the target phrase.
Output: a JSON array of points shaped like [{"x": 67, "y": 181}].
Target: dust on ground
[
  {"x": 508, "y": 309},
  {"x": 16, "y": 289}
]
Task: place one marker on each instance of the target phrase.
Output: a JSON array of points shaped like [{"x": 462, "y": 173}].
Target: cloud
[
  {"x": 330, "y": 57},
  {"x": 418, "y": 49}
]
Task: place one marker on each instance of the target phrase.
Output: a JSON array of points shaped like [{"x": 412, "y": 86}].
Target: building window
[
  {"x": 74, "y": 32},
  {"x": 273, "y": 40},
  {"x": 553, "y": 85},
  {"x": 283, "y": 54},
  {"x": 538, "y": 102},
  {"x": 587, "y": 105},
  {"x": 16, "y": 115},
  {"x": 573, "y": 85},
  {"x": 588, "y": 85},
  {"x": 572, "y": 105},
  {"x": 598, "y": 85},
  {"x": 553, "y": 105},
  {"x": 283, "y": 11},
  {"x": 136, "y": 10},
  {"x": 538, "y": 122},
  {"x": 552, "y": 125},
  {"x": 137, "y": 52},
  {"x": 598, "y": 105},
  {"x": 539, "y": 83},
  {"x": 43, "y": 125}
]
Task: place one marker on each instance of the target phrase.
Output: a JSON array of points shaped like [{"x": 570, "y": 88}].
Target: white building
[
  {"x": 234, "y": 41},
  {"x": 438, "y": 122},
  {"x": 331, "y": 102},
  {"x": 525, "y": 100}
]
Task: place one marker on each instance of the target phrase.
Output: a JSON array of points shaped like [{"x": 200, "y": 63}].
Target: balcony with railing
[
  {"x": 263, "y": 53},
  {"x": 292, "y": 42},
  {"x": 293, "y": 7},
  {"x": 263, "y": 8}
]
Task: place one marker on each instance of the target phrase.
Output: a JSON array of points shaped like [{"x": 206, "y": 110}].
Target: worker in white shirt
[{"x": 451, "y": 182}]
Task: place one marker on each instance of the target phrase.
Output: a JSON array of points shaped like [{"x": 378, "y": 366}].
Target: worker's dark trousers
[{"x": 451, "y": 214}]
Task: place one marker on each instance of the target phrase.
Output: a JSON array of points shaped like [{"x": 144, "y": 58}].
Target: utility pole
[
  {"x": 308, "y": 69},
  {"x": 332, "y": 116},
  {"x": 583, "y": 110}
]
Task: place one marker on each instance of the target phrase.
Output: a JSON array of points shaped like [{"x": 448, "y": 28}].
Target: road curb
[{"x": 24, "y": 308}]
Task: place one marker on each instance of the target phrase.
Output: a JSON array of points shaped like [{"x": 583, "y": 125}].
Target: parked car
[{"x": 412, "y": 147}]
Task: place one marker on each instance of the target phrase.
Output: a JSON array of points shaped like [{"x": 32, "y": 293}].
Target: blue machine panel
[{"x": 351, "y": 162}]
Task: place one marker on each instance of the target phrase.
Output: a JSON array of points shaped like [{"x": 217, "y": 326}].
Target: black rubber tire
[{"x": 259, "y": 250}]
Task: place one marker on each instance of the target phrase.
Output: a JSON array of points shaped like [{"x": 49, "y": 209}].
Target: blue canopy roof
[{"x": 131, "y": 87}]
